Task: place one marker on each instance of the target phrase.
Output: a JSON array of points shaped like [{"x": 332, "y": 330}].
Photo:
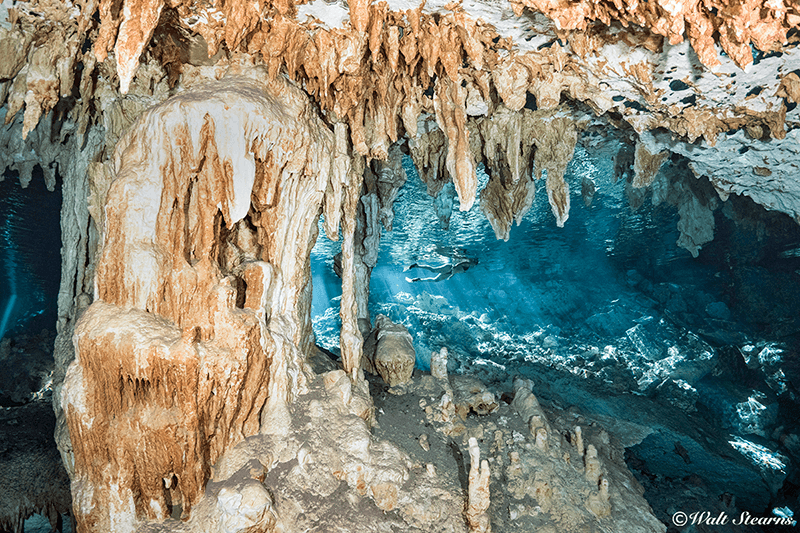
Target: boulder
[{"x": 389, "y": 351}]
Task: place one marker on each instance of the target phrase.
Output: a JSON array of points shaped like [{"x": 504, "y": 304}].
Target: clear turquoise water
[
  {"x": 544, "y": 281},
  {"x": 30, "y": 259}
]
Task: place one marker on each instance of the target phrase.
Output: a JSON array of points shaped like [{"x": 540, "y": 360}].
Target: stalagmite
[
  {"x": 470, "y": 394},
  {"x": 175, "y": 347},
  {"x": 599, "y": 502},
  {"x": 579, "y": 440},
  {"x": 592, "y": 466},
  {"x": 439, "y": 364},
  {"x": 526, "y": 404},
  {"x": 478, "y": 502},
  {"x": 541, "y": 439},
  {"x": 389, "y": 351}
]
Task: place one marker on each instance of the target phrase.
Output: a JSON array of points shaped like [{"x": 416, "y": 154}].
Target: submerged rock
[{"x": 389, "y": 351}]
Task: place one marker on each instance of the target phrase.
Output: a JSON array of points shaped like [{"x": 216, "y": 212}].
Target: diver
[{"x": 444, "y": 272}]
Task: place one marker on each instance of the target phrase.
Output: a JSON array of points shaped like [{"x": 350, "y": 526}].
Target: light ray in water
[
  {"x": 10, "y": 264},
  {"x": 7, "y": 314}
]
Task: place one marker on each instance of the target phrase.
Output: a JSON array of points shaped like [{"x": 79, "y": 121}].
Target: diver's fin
[{"x": 412, "y": 280}]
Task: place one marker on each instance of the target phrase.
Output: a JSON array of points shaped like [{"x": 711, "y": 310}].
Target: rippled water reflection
[
  {"x": 609, "y": 298},
  {"x": 544, "y": 281}
]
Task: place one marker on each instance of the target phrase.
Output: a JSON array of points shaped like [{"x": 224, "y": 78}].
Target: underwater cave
[
  {"x": 435, "y": 267},
  {"x": 691, "y": 360},
  {"x": 30, "y": 256}
]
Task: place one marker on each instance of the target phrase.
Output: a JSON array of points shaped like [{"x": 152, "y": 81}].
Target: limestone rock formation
[
  {"x": 197, "y": 144},
  {"x": 479, "y": 497},
  {"x": 470, "y": 394},
  {"x": 426, "y": 75},
  {"x": 518, "y": 483},
  {"x": 389, "y": 351},
  {"x": 197, "y": 313}
]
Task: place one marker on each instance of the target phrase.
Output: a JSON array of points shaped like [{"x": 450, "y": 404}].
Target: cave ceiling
[
  {"x": 715, "y": 81},
  {"x": 135, "y": 104}
]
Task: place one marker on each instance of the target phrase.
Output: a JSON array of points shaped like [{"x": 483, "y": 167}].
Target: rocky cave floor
[
  {"x": 402, "y": 419},
  {"x": 327, "y": 472},
  {"x": 415, "y": 460},
  {"x": 32, "y": 478}
]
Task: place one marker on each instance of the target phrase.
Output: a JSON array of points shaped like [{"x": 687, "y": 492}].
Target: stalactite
[
  {"x": 515, "y": 148},
  {"x": 554, "y": 151},
  {"x": 646, "y": 164},
  {"x": 737, "y": 27},
  {"x": 199, "y": 307},
  {"x": 351, "y": 341},
  {"x": 506, "y": 143},
  {"x": 428, "y": 151},
  {"x": 381, "y": 184},
  {"x": 449, "y": 101},
  {"x": 139, "y": 19},
  {"x": 391, "y": 177}
]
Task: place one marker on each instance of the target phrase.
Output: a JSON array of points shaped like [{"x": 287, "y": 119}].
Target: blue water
[
  {"x": 609, "y": 289},
  {"x": 30, "y": 260},
  {"x": 545, "y": 281},
  {"x": 609, "y": 297}
]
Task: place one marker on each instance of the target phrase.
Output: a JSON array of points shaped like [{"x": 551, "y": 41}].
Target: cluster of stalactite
[
  {"x": 383, "y": 73},
  {"x": 734, "y": 25},
  {"x": 201, "y": 319}
]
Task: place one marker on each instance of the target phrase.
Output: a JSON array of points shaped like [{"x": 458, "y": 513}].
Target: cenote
[{"x": 691, "y": 362}]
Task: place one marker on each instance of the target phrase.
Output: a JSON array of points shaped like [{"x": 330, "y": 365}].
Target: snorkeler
[{"x": 444, "y": 271}]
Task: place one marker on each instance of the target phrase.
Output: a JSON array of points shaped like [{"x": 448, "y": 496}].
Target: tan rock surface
[
  {"x": 192, "y": 218},
  {"x": 390, "y": 352},
  {"x": 197, "y": 295}
]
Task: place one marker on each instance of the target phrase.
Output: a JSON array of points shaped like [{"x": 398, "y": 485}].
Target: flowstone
[{"x": 325, "y": 472}]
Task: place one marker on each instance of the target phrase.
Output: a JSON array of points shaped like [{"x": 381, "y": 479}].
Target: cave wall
[
  {"x": 189, "y": 208},
  {"x": 191, "y": 342}
]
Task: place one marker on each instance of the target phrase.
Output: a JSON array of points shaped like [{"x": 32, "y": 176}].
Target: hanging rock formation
[
  {"x": 192, "y": 190},
  {"x": 199, "y": 287}
]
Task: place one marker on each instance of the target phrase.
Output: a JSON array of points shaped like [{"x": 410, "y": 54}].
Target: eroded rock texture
[
  {"x": 199, "y": 141},
  {"x": 199, "y": 311},
  {"x": 382, "y": 69}
]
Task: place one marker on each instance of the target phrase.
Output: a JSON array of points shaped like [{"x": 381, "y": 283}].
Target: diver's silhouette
[{"x": 444, "y": 271}]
